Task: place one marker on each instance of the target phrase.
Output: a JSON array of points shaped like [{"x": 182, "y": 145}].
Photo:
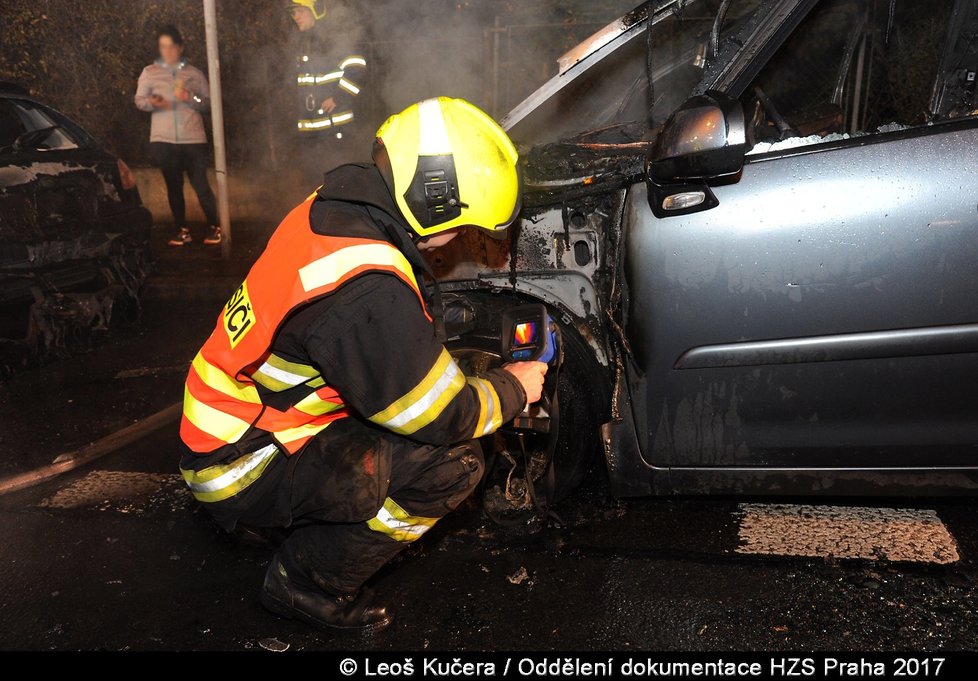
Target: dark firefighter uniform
[
  {"x": 327, "y": 69},
  {"x": 324, "y": 400},
  {"x": 324, "y": 395},
  {"x": 337, "y": 74}
]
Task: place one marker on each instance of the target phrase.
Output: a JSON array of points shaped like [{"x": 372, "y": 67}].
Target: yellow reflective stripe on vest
[
  {"x": 334, "y": 267},
  {"x": 314, "y": 405},
  {"x": 213, "y": 421},
  {"x": 217, "y": 483},
  {"x": 426, "y": 401},
  {"x": 222, "y": 383},
  {"x": 490, "y": 412},
  {"x": 398, "y": 524},
  {"x": 278, "y": 374},
  {"x": 272, "y": 382},
  {"x": 298, "y": 433},
  {"x": 303, "y": 370}
]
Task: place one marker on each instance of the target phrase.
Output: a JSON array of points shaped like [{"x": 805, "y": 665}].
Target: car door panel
[{"x": 824, "y": 245}]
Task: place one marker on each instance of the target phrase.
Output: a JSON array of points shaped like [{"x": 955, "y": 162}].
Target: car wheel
[{"x": 582, "y": 400}]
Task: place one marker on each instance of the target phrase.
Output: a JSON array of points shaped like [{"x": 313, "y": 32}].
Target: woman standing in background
[{"x": 176, "y": 93}]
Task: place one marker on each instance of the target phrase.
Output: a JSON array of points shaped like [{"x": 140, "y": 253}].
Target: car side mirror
[
  {"x": 705, "y": 139},
  {"x": 29, "y": 140}
]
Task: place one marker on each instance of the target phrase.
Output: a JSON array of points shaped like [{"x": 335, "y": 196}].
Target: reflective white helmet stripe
[{"x": 434, "y": 132}]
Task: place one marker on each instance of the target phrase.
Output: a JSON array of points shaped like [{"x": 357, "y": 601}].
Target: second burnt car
[
  {"x": 757, "y": 222},
  {"x": 74, "y": 235}
]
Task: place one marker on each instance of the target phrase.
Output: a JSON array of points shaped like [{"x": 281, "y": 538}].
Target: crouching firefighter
[{"x": 324, "y": 400}]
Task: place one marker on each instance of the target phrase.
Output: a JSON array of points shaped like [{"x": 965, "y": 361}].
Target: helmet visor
[{"x": 501, "y": 231}]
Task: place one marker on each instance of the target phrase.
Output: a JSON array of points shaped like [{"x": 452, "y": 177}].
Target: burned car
[
  {"x": 74, "y": 235},
  {"x": 756, "y": 222}
]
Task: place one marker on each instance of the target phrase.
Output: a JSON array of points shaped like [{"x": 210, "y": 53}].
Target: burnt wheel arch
[{"x": 584, "y": 385}]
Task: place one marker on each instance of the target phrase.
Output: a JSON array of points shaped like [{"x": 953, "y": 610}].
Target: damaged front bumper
[{"x": 55, "y": 295}]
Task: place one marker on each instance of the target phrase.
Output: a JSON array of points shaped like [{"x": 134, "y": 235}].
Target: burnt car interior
[{"x": 854, "y": 67}]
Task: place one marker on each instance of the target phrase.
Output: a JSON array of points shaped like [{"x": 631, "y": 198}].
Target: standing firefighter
[
  {"x": 329, "y": 74},
  {"x": 324, "y": 401}
]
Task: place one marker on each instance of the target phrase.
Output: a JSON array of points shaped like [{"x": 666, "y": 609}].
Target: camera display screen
[{"x": 525, "y": 333}]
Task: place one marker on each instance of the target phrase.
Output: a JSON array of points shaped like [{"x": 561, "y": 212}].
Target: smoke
[
  {"x": 490, "y": 52},
  {"x": 440, "y": 51},
  {"x": 84, "y": 59}
]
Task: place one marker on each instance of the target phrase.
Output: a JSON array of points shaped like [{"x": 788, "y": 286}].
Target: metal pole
[
  {"x": 495, "y": 68},
  {"x": 217, "y": 121},
  {"x": 272, "y": 151}
]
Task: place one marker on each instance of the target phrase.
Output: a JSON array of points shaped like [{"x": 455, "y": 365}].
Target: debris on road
[
  {"x": 119, "y": 491},
  {"x": 893, "y": 534},
  {"x": 273, "y": 645}
]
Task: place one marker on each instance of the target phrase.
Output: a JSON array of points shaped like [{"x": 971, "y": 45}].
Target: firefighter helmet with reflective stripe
[
  {"x": 449, "y": 165},
  {"x": 317, "y": 7}
]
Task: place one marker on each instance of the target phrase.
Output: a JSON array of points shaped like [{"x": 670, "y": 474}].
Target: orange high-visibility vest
[{"x": 221, "y": 399}]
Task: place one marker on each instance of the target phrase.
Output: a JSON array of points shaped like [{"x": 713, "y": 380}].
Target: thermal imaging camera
[{"x": 529, "y": 334}]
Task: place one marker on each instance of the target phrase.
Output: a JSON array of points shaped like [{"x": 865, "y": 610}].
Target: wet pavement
[{"x": 115, "y": 555}]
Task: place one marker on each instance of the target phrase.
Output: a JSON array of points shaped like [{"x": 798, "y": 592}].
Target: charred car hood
[{"x": 593, "y": 162}]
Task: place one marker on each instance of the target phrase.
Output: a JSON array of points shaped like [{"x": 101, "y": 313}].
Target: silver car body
[{"x": 817, "y": 331}]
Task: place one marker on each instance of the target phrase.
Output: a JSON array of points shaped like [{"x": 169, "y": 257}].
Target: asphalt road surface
[{"x": 115, "y": 556}]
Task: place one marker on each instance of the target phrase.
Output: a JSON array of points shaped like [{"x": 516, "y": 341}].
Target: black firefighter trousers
[{"x": 353, "y": 498}]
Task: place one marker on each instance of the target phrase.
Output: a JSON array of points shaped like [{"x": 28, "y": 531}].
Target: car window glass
[
  {"x": 799, "y": 93},
  {"x": 11, "y": 126},
  {"x": 954, "y": 93},
  {"x": 33, "y": 118},
  {"x": 905, "y": 44},
  {"x": 851, "y": 68}
]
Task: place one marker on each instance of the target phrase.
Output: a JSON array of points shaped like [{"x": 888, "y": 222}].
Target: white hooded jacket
[{"x": 181, "y": 123}]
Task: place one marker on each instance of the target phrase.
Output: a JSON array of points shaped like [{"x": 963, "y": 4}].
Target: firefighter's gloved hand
[{"x": 530, "y": 375}]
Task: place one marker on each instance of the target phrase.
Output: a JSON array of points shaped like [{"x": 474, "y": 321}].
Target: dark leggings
[{"x": 175, "y": 160}]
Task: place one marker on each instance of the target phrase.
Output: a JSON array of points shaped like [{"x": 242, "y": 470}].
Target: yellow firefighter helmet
[
  {"x": 449, "y": 165},
  {"x": 317, "y": 7}
]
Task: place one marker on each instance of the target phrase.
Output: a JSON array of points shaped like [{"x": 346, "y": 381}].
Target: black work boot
[{"x": 349, "y": 614}]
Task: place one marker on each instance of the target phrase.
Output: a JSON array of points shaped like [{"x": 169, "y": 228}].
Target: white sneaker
[
  {"x": 182, "y": 238},
  {"x": 214, "y": 238}
]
